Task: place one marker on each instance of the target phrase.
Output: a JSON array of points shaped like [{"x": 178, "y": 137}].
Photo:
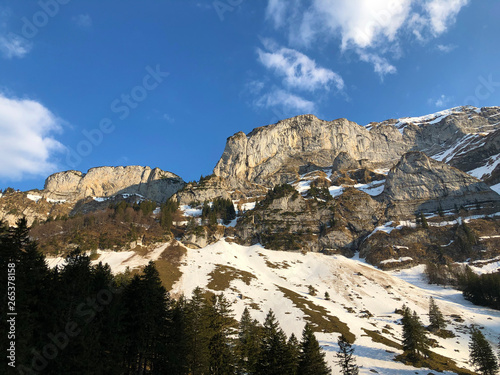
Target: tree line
[{"x": 82, "y": 319}]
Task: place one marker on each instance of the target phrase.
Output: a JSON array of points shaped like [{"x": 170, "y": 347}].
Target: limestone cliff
[
  {"x": 153, "y": 184},
  {"x": 278, "y": 153},
  {"x": 420, "y": 184},
  {"x": 274, "y": 154}
]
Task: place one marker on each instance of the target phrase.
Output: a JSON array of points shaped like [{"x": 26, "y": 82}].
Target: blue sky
[{"x": 164, "y": 83}]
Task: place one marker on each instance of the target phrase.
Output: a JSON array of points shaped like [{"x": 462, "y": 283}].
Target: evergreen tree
[
  {"x": 198, "y": 336},
  {"x": 415, "y": 341},
  {"x": 220, "y": 322},
  {"x": 423, "y": 221},
  {"x": 177, "y": 343},
  {"x": 481, "y": 354},
  {"x": 312, "y": 359},
  {"x": 274, "y": 357},
  {"x": 248, "y": 344},
  {"x": 346, "y": 358},
  {"x": 436, "y": 318},
  {"x": 294, "y": 348},
  {"x": 147, "y": 304}
]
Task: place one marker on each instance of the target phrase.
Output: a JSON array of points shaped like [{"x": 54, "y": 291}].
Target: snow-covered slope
[{"x": 361, "y": 296}]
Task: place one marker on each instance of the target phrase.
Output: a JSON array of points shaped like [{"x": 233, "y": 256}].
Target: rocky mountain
[
  {"x": 70, "y": 192},
  {"x": 418, "y": 183},
  {"x": 313, "y": 185},
  {"x": 103, "y": 182},
  {"x": 283, "y": 151}
]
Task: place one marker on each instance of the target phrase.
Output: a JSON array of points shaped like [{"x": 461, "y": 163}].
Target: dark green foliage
[
  {"x": 320, "y": 193},
  {"x": 440, "y": 274},
  {"x": 415, "y": 341},
  {"x": 197, "y": 335},
  {"x": 481, "y": 289},
  {"x": 145, "y": 321},
  {"x": 346, "y": 359},
  {"x": 279, "y": 191},
  {"x": 220, "y": 327},
  {"x": 437, "y": 322},
  {"x": 294, "y": 348},
  {"x": 481, "y": 354},
  {"x": 312, "y": 359},
  {"x": 423, "y": 221},
  {"x": 167, "y": 213},
  {"x": 219, "y": 209},
  {"x": 275, "y": 357},
  {"x": 248, "y": 344}
]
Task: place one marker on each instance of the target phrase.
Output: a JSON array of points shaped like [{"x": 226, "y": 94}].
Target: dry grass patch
[
  {"x": 318, "y": 316},
  {"x": 169, "y": 263},
  {"x": 221, "y": 277}
]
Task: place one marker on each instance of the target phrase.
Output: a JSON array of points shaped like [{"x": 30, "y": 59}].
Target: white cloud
[
  {"x": 442, "y": 101},
  {"x": 27, "y": 144},
  {"x": 286, "y": 101},
  {"x": 12, "y": 45},
  {"x": 446, "y": 48},
  {"x": 380, "y": 64},
  {"x": 298, "y": 70},
  {"x": 442, "y": 13},
  {"x": 83, "y": 20},
  {"x": 374, "y": 27}
]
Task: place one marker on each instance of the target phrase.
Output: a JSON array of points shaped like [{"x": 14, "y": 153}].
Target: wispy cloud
[
  {"x": 83, "y": 21},
  {"x": 441, "y": 102},
  {"x": 298, "y": 70},
  {"x": 12, "y": 45},
  {"x": 381, "y": 66},
  {"x": 446, "y": 48},
  {"x": 27, "y": 145},
  {"x": 286, "y": 101}
]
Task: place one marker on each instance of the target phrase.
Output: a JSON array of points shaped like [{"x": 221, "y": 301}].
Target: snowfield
[{"x": 362, "y": 296}]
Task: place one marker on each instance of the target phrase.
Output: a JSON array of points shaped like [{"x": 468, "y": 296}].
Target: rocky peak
[
  {"x": 276, "y": 153},
  {"x": 72, "y": 186},
  {"x": 418, "y": 183}
]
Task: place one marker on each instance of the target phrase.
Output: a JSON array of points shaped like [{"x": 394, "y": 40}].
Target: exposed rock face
[
  {"x": 207, "y": 190},
  {"x": 291, "y": 222},
  {"x": 73, "y": 186},
  {"x": 420, "y": 184},
  {"x": 278, "y": 153},
  {"x": 274, "y": 154}
]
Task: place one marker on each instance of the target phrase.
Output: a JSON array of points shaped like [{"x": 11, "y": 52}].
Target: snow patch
[
  {"x": 400, "y": 260},
  {"x": 190, "y": 211},
  {"x": 373, "y": 188},
  {"x": 33, "y": 197},
  {"x": 486, "y": 169},
  {"x": 336, "y": 191}
]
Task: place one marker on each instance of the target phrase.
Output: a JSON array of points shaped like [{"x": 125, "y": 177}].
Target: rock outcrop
[
  {"x": 279, "y": 153},
  {"x": 72, "y": 186},
  {"x": 288, "y": 221},
  {"x": 276, "y": 153},
  {"x": 420, "y": 184}
]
